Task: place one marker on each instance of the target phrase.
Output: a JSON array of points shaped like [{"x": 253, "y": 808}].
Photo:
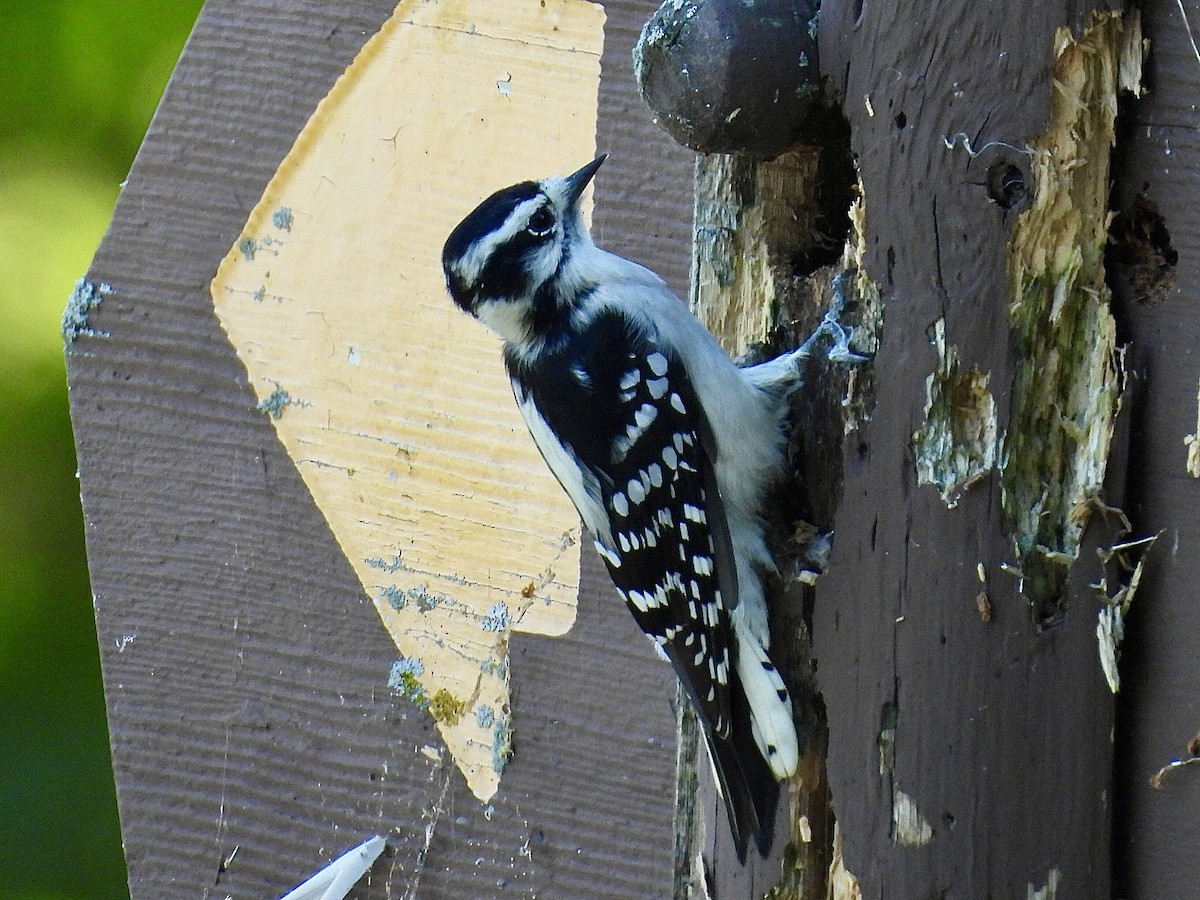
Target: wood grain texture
[
  {"x": 245, "y": 669},
  {"x": 1159, "y": 709},
  {"x": 967, "y": 757}
]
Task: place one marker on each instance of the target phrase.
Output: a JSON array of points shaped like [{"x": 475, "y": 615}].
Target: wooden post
[
  {"x": 966, "y": 635},
  {"x": 961, "y": 629},
  {"x": 1154, "y": 257}
]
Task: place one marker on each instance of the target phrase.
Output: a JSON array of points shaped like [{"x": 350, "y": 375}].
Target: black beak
[{"x": 577, "y": 181}]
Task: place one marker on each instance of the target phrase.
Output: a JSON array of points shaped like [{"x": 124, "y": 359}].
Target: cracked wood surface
[
  {"x": 1158, "y": 711},
  {"x": 970, "y": 754},
  {"x": 254, "y": 736}
]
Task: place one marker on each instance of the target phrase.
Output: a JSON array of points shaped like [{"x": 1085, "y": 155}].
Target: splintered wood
[{"x": 392, "y": 403}]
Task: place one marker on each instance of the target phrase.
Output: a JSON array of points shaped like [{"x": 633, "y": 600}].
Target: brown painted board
[
  {"x": 996, "y": 732},
  {"x": 254, "y": 735},
  {"x": 1159, "y": 710}
]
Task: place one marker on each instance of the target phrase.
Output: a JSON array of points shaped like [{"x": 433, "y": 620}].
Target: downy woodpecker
[{"x": 666, "y": 448}]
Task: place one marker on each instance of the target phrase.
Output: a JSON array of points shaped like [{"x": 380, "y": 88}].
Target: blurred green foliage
[{"x": 80, "y": 80}]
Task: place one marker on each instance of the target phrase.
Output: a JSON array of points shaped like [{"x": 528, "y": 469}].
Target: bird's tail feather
[
  {"x": 749, "y": 788},
  {"x": 770, "y": 707}
]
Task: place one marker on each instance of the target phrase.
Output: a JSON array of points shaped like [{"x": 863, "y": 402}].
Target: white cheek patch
[{"x": 509, "y": 319}]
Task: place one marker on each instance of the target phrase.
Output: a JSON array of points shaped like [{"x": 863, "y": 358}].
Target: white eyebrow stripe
[{"x": 470, "y": 266}]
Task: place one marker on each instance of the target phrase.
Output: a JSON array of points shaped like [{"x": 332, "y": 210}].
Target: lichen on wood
[
  {"x": 958, "y": 443},
  {"x": 85, "y": 297},
  {"x": 1067, "y": 382}
]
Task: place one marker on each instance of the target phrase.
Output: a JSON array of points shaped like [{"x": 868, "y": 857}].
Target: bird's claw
[
  {"x": 841, "y": 351},
  {"x": 842, "y": 335}
]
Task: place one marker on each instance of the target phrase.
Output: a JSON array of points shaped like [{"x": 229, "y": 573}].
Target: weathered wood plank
[
  {"x": 245, "y": 669},
  {"x": 970, "y": 742},
  {"x": 1159, "y": 711}
]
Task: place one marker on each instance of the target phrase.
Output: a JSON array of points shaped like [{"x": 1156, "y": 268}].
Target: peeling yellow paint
[{"x": 399, "y": 416}]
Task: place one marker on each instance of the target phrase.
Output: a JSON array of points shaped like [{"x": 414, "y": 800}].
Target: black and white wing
[
  {"x": 617, "y": 420},
  {"x": 668, "y": 553}
]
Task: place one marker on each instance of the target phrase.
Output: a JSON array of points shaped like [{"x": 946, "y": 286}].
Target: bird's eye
[{"x": 541, "y": 223}]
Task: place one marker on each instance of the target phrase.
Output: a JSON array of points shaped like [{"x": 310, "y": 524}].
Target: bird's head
[{"x": 509, "y": 262}]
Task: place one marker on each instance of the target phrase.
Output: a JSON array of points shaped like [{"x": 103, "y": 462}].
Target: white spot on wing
[
  {"x": 611, "y": 557},
  {"x": 657, "y": 363},
  {"x": 637, "y": 493},
  {"x": 620, "y": 504},
  {"x": 657, "y": 387}
]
